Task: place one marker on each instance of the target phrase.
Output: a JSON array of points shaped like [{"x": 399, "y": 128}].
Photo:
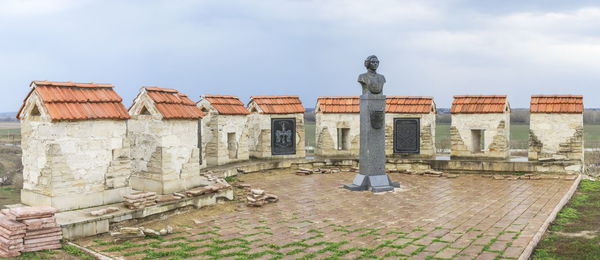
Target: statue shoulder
[{"x": 362, "y": 78}]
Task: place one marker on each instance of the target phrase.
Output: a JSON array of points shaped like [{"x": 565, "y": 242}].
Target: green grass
[
  {"x": 9, "y": 195},
  {"x": 309, "y": 132},
  {"x": 580, "y": 214},
  {"x": 74, "y": 251}
]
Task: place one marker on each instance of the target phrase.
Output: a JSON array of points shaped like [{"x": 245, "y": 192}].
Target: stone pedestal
[{"x": 372, "y": 174}]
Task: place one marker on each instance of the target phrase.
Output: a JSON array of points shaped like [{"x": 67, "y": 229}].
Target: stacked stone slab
[
  {"x": 163, "y": 132},
  {"x": 556, "y": 127},
  {"x": 224, "y": 131},
  {"x": 263, "y": 110},
  {"x": 139, "y": 199},
  {"x": 11, "y": 237},
  {"x": 488, "y": 115},
  {"x": 74, "y": 146},
  {"x": 42, "y": 232}
]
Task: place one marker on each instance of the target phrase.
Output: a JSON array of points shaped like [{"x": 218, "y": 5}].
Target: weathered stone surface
[
  {"x": 216, "y": 130},
  {"x": 104, "y": 211},
  {"x": 496, "y": 128},
  {"x": 82, "y": 158},
  {"x": 545, "y": 141}
]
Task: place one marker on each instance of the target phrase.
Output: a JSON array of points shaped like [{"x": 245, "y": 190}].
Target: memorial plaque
[
  {"x": 407, "y": 135},
  {"x": 283, "y": 136}
]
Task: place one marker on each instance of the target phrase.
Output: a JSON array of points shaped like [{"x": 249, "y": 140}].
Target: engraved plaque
[
  {"x": 407, "y": 135},
  {"x": 283, "y": 136}
]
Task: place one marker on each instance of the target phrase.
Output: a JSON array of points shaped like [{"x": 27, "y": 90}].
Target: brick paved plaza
[{"x": 463, "y": 218}]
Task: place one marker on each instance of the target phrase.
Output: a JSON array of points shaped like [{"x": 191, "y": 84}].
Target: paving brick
[
  {"x": 470, "y": 210},
  {"x": 447, "y": 253},
  {"x": 513, "y": 252}
]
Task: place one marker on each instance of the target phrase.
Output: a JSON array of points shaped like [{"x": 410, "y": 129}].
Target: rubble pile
[
  {"x": 258, "y": 198},
  {"x": 169, "y": 197},
  {"x": 28, "y": 229},
  {"x": 428, "y": 173},
  {"x": 530, "y": 176},
  {"x": 104, "y": 211},
  {"x": 217, "y": 186},
  {"x": 139, "y": 199},
  {"x": 126, "y": 233},
  {"x": 306, "y": 171}
]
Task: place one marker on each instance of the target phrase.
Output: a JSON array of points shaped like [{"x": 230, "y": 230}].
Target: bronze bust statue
[{"x": 371, "y": 82}]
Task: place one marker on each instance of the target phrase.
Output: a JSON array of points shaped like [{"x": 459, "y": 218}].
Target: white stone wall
[
  {"x": 557, "y": 135},
  {"x": 259, "y": 141},
  {"x": 326, "y": 133},
  {"x": 83, "y": 159},
  {"x": 489, "y": 122},
  {"x": 165, "y": 154},
  {"x": 215, "y": 131}
]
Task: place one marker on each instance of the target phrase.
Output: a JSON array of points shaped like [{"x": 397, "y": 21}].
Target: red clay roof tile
[
  {"x": 394, "y": 104},
  {"x": 479, "y": 104},
  {"x": 226, "y": 105},
  {"x": 278, "y": 104},
  {"x": 172, "y": 104},
  {"x": 71, "y": 101},
  {"x": 557, "y": 104}
]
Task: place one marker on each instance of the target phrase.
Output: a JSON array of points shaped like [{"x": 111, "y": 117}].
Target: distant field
[
  {"x": 309, "y": 132},
  {"x": 10, "y": 125},
  {"x": 519, "y": 134}
]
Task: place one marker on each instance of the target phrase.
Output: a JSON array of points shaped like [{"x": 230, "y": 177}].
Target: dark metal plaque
[
  {"x": 407, "y": 137},
  {"x": 283, "y": 136}
]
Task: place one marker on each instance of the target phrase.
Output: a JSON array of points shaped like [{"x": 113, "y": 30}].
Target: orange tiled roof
[
  {"x": 79, "y": 101},
  {"x": 339, "y": 104},
  {"x": 408, "y": 105},
  {"x": 172, "y": 104},
  {"x": 394, "y": 104},
  {"x": 227, "y": 105},
  {"x": 556, "y": 104},
  {"x": 481, "y": 104},
  {"x": 278, "y": 104}
]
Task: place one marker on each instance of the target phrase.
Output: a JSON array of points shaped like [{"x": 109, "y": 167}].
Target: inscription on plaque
[
  {"x": 407, "y": 135},
  {"x": 283, "y": 136}
]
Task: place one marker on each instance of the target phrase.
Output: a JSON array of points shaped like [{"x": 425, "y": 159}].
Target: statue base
[{"x": 374, "y": 183}]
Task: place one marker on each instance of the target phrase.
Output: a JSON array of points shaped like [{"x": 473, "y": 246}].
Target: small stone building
[
  {"x": 163, "y": 132},
  {"x": 276, "y": 125},
  {"x": 556, "y": 127},
  {"x": 337, "y": 129},
  {"x": 75, "y": 154},
  {"x": 480, "y": 127},
  {"x": 410, "y": 126},
  {"x": 224, "y": 131}
]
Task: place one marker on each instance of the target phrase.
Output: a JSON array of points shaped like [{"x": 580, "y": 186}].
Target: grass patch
[
  {"x": 231, "y": 178},
  {"x": 580, "y": 214},
  {"x": 566, "y": 215},
  {"x": 75, "y": 251},
  {"x": 39, "y": 255}
]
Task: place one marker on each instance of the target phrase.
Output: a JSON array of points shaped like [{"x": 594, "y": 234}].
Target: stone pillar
[{"x": 372, "y": 175}]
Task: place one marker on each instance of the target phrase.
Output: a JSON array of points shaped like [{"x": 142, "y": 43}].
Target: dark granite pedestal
[{"x": 372, "y": 175}]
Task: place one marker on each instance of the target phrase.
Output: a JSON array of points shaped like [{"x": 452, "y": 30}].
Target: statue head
[{"x": 372, "y": 63}]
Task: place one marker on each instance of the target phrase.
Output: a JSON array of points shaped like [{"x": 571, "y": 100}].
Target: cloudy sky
[{"x": 302, "y": 47}]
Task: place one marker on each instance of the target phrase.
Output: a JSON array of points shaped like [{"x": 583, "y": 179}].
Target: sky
[{"x": 303, "y": 47}]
